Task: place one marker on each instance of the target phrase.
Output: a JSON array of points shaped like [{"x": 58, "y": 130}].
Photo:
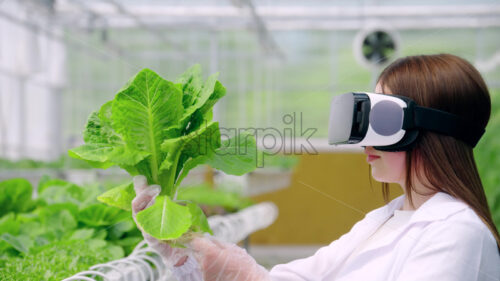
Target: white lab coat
[{"x": 444, "y": 241}]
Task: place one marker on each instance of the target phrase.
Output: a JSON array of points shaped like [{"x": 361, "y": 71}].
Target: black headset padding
[{"x": 405, "y": 144}]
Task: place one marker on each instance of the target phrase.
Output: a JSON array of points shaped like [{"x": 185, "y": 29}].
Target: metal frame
[
  {"x": 265, "y": 38},
  {"x": 142, "y": 24},
  {"x": 244, "y": 14}
]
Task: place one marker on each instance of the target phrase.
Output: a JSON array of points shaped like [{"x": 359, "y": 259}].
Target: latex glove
[
  {"x": 179, "y": 260},
  {"x": 205, "y": 257},
  {"x": 221, "y": 261}
]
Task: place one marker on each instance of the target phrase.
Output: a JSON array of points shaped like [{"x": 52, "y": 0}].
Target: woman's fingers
[
  {"x": 203, "y": 245},
  {"x": 221, "y": 261},
  {"x": 140, "y": 183},
  {"x": 210, "y": 253},
  {"x": 145, "y": 198},
  {"x": 144, "y": 194}
]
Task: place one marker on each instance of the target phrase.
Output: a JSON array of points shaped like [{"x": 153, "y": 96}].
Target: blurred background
[{"x": 281, "y": 61}]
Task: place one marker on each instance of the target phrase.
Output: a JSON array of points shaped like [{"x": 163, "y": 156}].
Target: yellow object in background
[{"x": 329, "y": 193}]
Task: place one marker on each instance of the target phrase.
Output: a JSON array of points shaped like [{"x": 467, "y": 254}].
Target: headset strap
[{"x": 441, "y": 122}]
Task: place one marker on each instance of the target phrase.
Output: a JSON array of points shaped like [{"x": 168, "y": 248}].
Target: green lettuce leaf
[
  {"x": 162, "y": 130},
  {"x": 9, "y": 224},
  {"x": 143, "y": 112},
  {"x": 58, "y": 191},
  {"x": 205, "y": 112},
  {"x": 101, "y": 215},
  {"x": 117, "y": 230},
  {"x": 103, "y": 147},
  {"x": 120, "y": 196},
  {"x": 21, "y": 243},
  {"x": 15, "y": 196},
  {"x": 200, "y": 143},
  {"x": 82, "y": 234},
  {"x": 199, "y": 100},
  {"x": 199, "y": 221},
  {"x": 59, "y": 219},
  {"x": 191, "y": 84},
  {"x": 173, "y": 219},
  {"x": 236, "y": 156}
]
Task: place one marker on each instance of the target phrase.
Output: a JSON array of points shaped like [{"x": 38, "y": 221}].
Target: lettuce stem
[{"x": 167, "y": 187}]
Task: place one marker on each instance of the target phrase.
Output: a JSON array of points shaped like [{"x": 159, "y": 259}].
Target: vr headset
[{"x": 391, "y": 122}]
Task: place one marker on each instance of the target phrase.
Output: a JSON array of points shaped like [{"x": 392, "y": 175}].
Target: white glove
[
  {"x": 205, "y": 257},
  {"x": 222, "y": 261},
  {"x": 179, "y": 260}
]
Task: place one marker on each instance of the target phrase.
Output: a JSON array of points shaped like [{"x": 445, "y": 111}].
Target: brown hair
[{"x": 451, "y": 84}]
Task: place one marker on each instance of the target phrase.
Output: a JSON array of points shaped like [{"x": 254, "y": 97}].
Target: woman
[{"x": 440, "y": 229}]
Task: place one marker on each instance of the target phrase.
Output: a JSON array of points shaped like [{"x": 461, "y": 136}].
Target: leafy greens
[
  {"x": 162, "y": 130},
  {"x": 63, "y": 231}
]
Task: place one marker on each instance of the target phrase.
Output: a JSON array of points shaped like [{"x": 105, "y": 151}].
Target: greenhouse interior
[{"x": 132, "y": 132}]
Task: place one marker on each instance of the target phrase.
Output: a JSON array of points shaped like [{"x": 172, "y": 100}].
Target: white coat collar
[{"x": 440, "y": 206}]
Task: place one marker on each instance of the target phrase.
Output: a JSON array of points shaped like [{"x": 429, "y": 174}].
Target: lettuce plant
[
  {"x": 162, "y": 130},
  {"x": 63, "y": 231}
]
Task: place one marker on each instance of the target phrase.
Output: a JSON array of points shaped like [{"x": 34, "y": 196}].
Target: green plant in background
[
  {"x": 15, "y": 196},
  {"x": 65, "y": 230},
  {"x": 487, "y": 155},
  {"x": 162, "y": 130},
  {"x": 54, "y": 261}
]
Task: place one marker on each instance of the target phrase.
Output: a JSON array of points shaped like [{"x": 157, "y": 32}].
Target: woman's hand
[
  {"x": 220, "y": 261},
  {"x": 172, "y": 257},
  {"x": 205, "y": 257}
]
